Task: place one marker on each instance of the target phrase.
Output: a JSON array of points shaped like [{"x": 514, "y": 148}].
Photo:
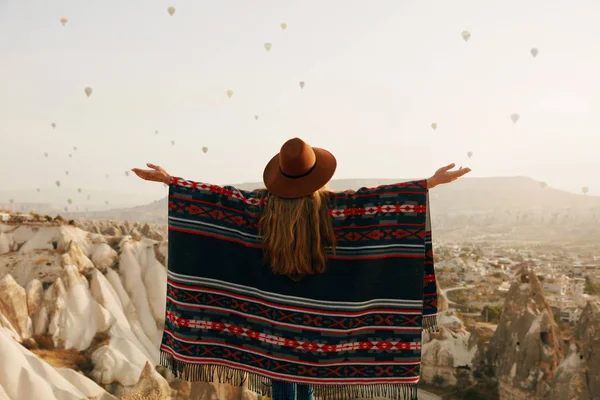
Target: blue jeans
[{"x": 291, "y": 391}]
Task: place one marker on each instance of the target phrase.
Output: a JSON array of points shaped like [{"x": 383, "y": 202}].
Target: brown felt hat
[{"x": 298, "y": 170}]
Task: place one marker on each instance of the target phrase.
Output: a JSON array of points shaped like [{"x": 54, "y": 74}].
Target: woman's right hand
[
  {"x": 155, "y": 174},
  {"x": 444, "y": 175}
]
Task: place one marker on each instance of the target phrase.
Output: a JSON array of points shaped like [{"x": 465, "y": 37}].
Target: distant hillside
[{"x": 469, "y": 196}]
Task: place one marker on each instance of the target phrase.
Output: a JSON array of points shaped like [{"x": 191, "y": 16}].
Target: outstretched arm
[
  {"x": 444, "y": 175},
  {"x": 155, "y": 174}
]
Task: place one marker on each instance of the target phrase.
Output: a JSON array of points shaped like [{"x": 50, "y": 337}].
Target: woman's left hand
[
  {"x": 155, "y": 174},
  {"x": 444, "y": 175}
]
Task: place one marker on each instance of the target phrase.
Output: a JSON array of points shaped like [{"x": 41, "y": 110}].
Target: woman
[{"x": 295, "y": 224}]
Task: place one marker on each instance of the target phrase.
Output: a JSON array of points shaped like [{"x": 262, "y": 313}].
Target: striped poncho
[{"x": 354, "y": 331}]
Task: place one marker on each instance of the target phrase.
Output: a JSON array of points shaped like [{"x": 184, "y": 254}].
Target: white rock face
[
  {"x": 103, "y": 256},
  {"x": 13, "y": 305},
  {"x": 81, "y": 317},
  {"x": 81, "y": 289},
  {"x": 28, "y": 377}
]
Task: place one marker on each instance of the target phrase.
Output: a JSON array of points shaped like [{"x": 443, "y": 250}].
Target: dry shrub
[
  {"x": 44, "y": 342},
  {"x": 138, "y": 394},
  {"x": 61, "y": 358}
]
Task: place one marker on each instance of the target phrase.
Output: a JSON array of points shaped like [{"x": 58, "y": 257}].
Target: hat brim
[{"x": 291, "y": 188}]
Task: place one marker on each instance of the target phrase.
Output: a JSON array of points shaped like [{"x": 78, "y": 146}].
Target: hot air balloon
[
  {"x": 283, "y": 25},
  {"x": 469, "y": 154},
  {"x": 57, "y": 183},
  {"x": 585, "y": 190},
  {"x": 171, "y": 11},
  {"x": 434, "y": 126},
  {"x": 173, "y": 142},
  {"x": 70, "y": 201},
  {"x": 205, "y": 149},
  {"x": 229, "y": 93},
  {"x": 88, "y": 91},
  {"x": 46, "y": 155},
  {"x": 79, "y": 190},
  {"x": 156, "y": 132},
  {"x": 75, "y": 148},
  {"x": 63, "y": 21},
  {"x": 67, "y": 173},
  {"x": 106, "y": 202},
  {"x": 465, "y": 35},
  {"x": 534, "y": 52},
  {"x": 53, "y": 125},
  {"x": 301, "y": 84},
  {"x": 126, "y": 173},
  {"x": 11, "y": 201},
  {"x": 70, "y": 155},
  {"x": 515, "y": 117},
  {"x": 267, "y": 46},
  {"x": 256, "y": 117},
  {"x": 38, "y": 189}
]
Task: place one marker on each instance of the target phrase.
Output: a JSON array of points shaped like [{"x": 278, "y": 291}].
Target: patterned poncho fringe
[{"x": 353, "y": 331}]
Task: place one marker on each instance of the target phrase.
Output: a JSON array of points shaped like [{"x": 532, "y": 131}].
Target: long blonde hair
[{"x": 297, "y": 234}]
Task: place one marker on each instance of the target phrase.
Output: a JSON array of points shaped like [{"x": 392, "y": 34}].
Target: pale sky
[{"x": 377, "y": 74}]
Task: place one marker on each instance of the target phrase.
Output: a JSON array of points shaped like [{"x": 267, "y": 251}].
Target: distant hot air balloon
[
  {"x": 53, "y": 125},
  {"x": 67, "y": 173},
  {"x": 38, "y": 189},
  {"x": 229, "y": 93},
  {"x": 88, "y": 91},
  {"x": 205, "y": 149},
  {"x": 173, "y": 142},
  {"x": 70, "y": 201},
  {"x": 515, "y": 117},
  {"x": 126, "y": 173},
  {"x": 79, "y": 190},
  {"x": 11, "y": 201},
  {"x": 75, "y": 148},
  {"x": 106, "y": 202},
  {"x": 534, "y": 52},
  {"x": 57, "y": 183},
  {"x": 63, "y": 21},
  {"x": 434, "y": 126},
  {"x": 267, "y": 46},
  {"x": 585, "y": 190},
  {"x": 301, "y": 84},
  {"x": 156, "y": 132},
  {"x": 465, "y": 35},
  {"x": 171, "y": 11},
  {"x": 46, "y": 155},
  {"x": 256, "y": 117},
  {"x": 469, "y": 154},
  {"x": 283, "y": 25},
  {"x": 70, "y": 155}
]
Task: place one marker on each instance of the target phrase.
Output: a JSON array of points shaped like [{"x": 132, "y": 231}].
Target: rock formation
[
  {"x": 446, "y": 353},
  {"x": 578, "y": 377},
  {"x": 526, "y": 348}
]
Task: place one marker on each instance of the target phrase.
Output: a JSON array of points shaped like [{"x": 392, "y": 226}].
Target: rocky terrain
[
  {"x": 528, "y": 355},
  {"x": 81, "y": 316},
  {"x": 82, "y": 312}
]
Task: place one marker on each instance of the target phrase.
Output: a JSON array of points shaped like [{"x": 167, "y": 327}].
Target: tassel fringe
[
  {"x": 264, "y": 386},
  {"x": 430, "y": 323}
]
